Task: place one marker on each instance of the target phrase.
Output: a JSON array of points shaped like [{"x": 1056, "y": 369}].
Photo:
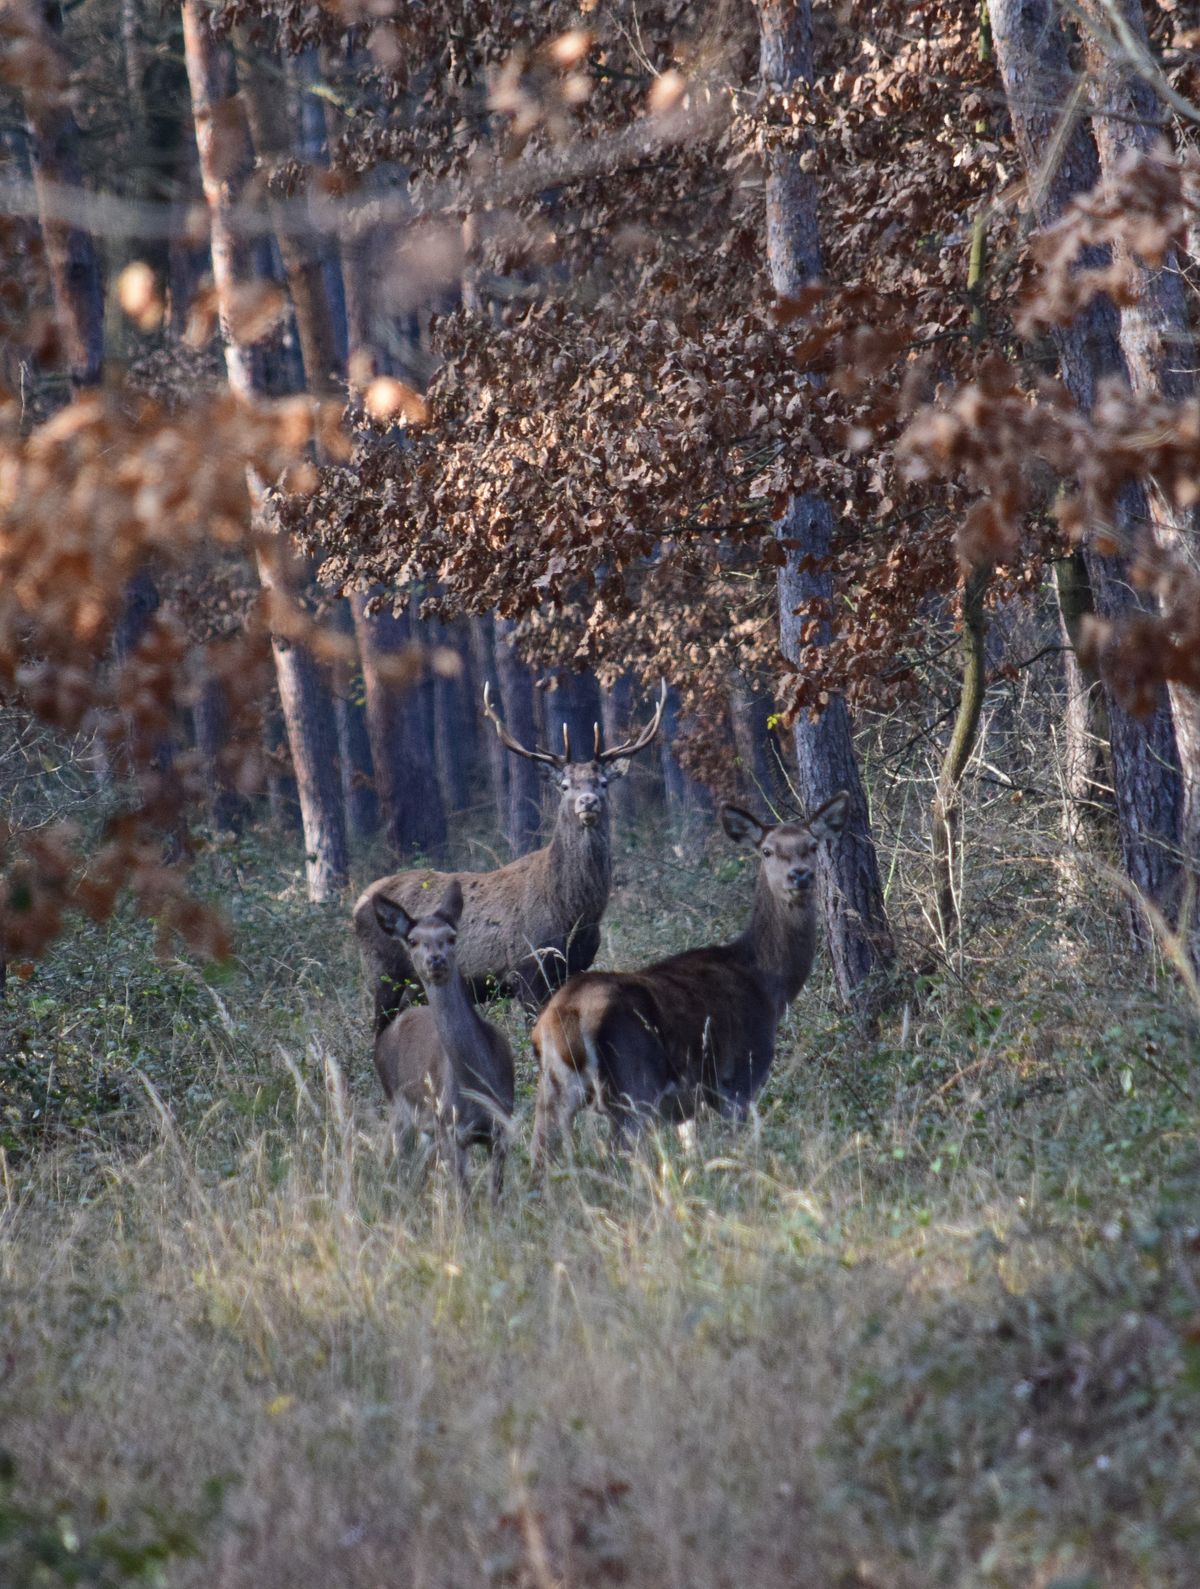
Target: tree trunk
[
  {"x": 851, "y": 895},
  {"x": 210, "y": 718},
  {"x": 574, "y": 705},
  {"x": 455, "y": 730},
  {"x": 405, "y": 777},
  {"x": 1032, "y": 55},
  {"x": 616, "y": 719},
  {"x": 307, "y": 708},
  {"x": 947, "y": 807},
  {"x": 483, "y": 656},
  {"x": 761, "y": 774},
  {"x": 354, "y": 749},
  {"x": 1086, "y": 775},
  {"x": 1156, "y": 340},
  {"x": 71, "y": 257},
  {"x": 523, "y": 827},
  {"x": 686, "y": 799}
]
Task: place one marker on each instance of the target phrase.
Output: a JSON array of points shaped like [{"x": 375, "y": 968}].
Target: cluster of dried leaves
[{"x": 98, "y": 495}]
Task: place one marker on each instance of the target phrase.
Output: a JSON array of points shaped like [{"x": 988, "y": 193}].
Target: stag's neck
[
  {"x": 580, "y": 860},
  {"x": 460, "y": 1027},
  {"x": 780, "y": 939}
]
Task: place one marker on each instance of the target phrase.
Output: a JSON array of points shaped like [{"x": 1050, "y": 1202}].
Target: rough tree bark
[
  {"x": 1155, "y": 331},
  {"x": 1087, "y": 776},
  {"x": 307, "y": 708},
  {"x": 483, "y": 657},
  {"x": 616, "y": 719},
  {"x": 71, "y": 257},
  {"x": 405, "y": 776},
  {"x": 455, "y": 723},
  {"x": 761, "y": 773},
  {"x": 1061, "y": 161},
  {"x": 524, "y": 782},
  {"x": 852, "y": 903}
]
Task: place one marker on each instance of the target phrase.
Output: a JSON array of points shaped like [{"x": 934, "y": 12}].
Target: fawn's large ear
[
  {"x": 830, "y": 819},
  {"x": 449, "y": 907},
  {"x": 741, "y": 827},
  {"x": 393, "y": 919}
]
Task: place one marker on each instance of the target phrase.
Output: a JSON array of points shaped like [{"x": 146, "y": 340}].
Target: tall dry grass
[{"x": 932, "y": 1318}]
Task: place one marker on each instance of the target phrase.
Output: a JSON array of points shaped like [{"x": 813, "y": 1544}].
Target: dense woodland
[{"x": 423, "y": 426}]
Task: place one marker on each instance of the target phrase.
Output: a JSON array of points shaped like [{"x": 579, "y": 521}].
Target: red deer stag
[
  {"x": 532, "y": 923},
  {"x": 443, "y": 1067},
  {"x": 699, "y": 1027}
]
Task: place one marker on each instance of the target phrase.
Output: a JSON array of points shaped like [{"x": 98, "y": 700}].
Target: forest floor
[{"x": 932, "y": 1318}]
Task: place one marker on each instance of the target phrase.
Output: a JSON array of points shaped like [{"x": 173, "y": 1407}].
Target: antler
[
  {"x": 512, "y": 744},
  {"x": 632, "y": 746}
]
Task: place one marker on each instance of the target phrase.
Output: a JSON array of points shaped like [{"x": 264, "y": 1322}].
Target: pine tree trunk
[
  {"x": 856, "y": 924},
  {"x": 455, "y": 727},
  {"x": 405, "y": 777},
  {"x": 354, "y": 750},
  {"x": 210, "y": 718},
  {"x": 524, "y": 823},
  {"x": 1032, "y": 55},
  {"x": 616, "y": 719},
  {"x": 483, "y": 655},
  {"x": 305, "y": 701},
  {"x": 71, "y": 258},
  {"x": 761, "y": 774},
  {"x": 575, "y": 706}
]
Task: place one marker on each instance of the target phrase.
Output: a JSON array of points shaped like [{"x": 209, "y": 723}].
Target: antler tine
[
  {"x": 566, "y": 743},
  {"x": 596, "y": 742},
  {"x": 632, "y": 746},
  {"x": 506, "y": 738}
]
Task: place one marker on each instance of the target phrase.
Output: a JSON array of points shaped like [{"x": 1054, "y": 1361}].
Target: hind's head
[
  {"x": 430, "y": 940},
  {"x": 789, "y": 850}
]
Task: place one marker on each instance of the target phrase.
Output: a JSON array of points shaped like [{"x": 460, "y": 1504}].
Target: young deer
[
  {"x": 441, "y": 1064},
  {"x": 699, "y": 1027}
]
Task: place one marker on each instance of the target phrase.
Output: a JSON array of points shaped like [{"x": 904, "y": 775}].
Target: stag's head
[
  {"x": 583, "y": 785},
  {"x": 430, "y": 940},
  {"x": 789, "y": 851}
]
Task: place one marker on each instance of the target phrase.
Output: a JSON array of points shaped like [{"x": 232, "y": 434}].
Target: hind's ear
[
  {"x": 829, "y": 821},
  {"x": 741, "y": 827},
  {"x": 393, "y": 919},
  {"x": 450, "y": 905}
]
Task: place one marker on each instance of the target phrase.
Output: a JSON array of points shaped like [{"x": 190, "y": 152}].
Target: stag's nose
[
  {"x": 799, "y": 876},
  {"x": 587, "y": 805}
]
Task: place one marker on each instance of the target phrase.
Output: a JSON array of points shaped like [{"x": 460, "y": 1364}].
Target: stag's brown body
[
  {"x": 532, "y": 923},
  {"x": 696, "y": 1028},
  {"x": 442, "y": 1066}
]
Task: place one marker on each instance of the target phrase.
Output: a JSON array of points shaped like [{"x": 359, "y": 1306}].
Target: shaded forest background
[{"x": 805, "y": 362}]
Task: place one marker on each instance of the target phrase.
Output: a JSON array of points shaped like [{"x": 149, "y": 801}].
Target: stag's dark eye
[
  {"x": 767, "y": 850},
  {"x": 604, "y": 783}
]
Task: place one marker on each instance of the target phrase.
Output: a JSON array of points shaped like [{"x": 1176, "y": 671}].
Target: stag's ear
[
  {"x": 393, "y": 919},
  {"x": 741, "y": 827},
  {"x": 829, "y": 821},
  {"x": 550, "y": 773},
  {"x": 450, "y": 906},
  {"x": 618, "y": 768}
]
